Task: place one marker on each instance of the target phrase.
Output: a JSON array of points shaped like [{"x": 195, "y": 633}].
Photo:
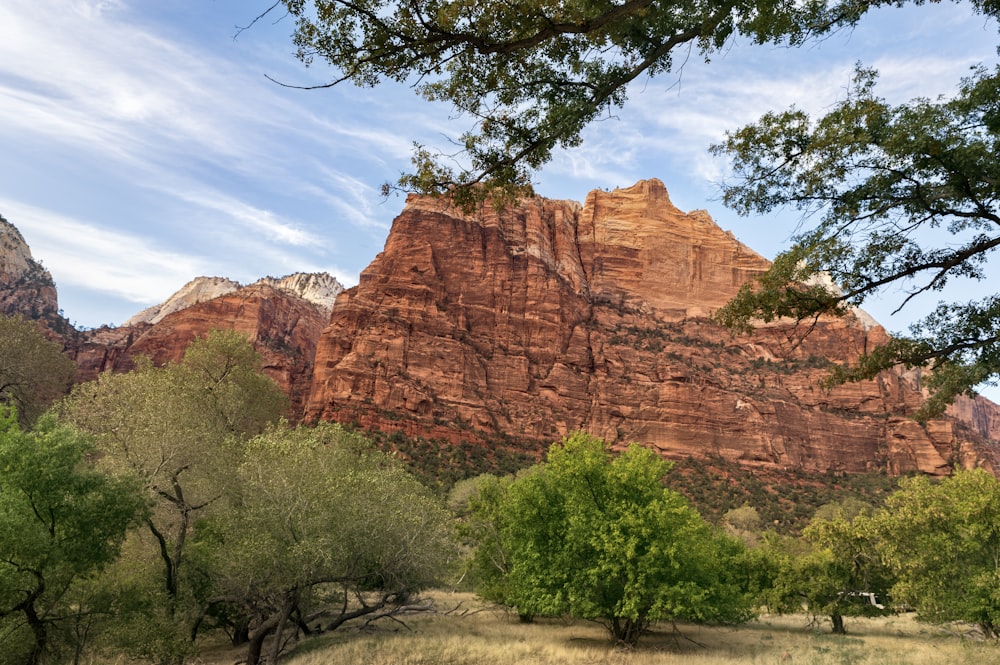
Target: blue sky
[{"x": 141, "y": 145}]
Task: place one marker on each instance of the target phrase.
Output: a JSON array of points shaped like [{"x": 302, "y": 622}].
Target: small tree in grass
[
  {"x": 596, "y": 536},
  {"x": 835, "y": 570}
]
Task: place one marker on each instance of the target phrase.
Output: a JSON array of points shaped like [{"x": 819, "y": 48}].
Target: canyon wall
[{"x": 547, "y": 317}]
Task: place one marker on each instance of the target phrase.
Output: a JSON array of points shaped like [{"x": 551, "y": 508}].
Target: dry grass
[{"x": 478, "y": 635}]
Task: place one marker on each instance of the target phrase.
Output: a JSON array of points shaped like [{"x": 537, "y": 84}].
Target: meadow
[{"x": 462, "y": 630}]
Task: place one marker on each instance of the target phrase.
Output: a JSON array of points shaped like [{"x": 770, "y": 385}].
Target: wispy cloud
[
  {"x": 250, "y": 218},
  {"x": 84, "y": 254}
]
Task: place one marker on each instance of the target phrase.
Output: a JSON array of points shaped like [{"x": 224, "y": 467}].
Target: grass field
[{"x": 475, "y": 634}]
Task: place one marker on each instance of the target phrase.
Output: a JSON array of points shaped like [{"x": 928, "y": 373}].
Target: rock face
[
  {"x": 319, "y": 288},
  {"x": 27, "y": 288},
  {"x": 552, "y": 316},
  {"x": 196, "y": 291},
  {"x": 283, "y": 326}
]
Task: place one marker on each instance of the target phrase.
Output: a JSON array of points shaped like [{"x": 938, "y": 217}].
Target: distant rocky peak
[
  {"x": 319, "y": 288},
  {"x": 15, "y": 256},
  {"x": 26, "y": 287},
  {"x": 196, "y": 291}
]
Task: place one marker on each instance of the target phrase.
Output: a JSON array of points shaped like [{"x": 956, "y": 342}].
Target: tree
[
  {"x": 942, "y": 539},
  {"x": 323, "y": 526},
  {"x": 834, "y": 570},
  {"x": 597, "y": 536},
  {"x": 34, "y": 372},
  {"x": 484, "y": 528},
  {"x": 907, "y": 196},
  {"x": 60, "y": 523},
  {"x": 178, "y": 429},
  {"x": 531, "y": 75},
  {"x": 744, "y": 523}
]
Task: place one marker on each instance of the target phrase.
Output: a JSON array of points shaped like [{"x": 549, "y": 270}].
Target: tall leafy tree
[
  {"x": 907, "y": 197},
  {"x": 531, "y": 75},
  {"x": 835, "y": 570},
  {"x": 34, "y": 372},
  {"x": 178, "y": 428},
  {"x": 596, "y": 536},
  {"x": 323, "y": 526},
  {"x": 942, "y": 539},
  {"x": 61, "y": 521}
]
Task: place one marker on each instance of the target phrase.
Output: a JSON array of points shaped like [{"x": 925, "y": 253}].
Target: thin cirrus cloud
[
  {"x": 138, "y": 99},
  {"x": 149, "y": 124},
  {"x": 121, "y": 264},
  {"x": 208, "y": 153}
]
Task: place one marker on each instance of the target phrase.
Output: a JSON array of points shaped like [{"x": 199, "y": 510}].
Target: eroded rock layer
[
  {"x": 283, "y": 327},
  {"x": 551, "y": 316}
]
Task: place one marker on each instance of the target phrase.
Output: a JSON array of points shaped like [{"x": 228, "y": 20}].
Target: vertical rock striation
[{"x": 550, "y": 316}]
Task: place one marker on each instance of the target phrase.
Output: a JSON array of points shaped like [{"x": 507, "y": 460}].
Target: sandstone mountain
[
  {"x": 283, "y": 317},
  {"x": 540, "y": 319},
  {"x": 551, "y": 316},
  {"x": 196, "y": 291},
  {"x": 320, "y": 289},
  {"x": 26, "y": 287},
  {"x": 283, "y": 326}
]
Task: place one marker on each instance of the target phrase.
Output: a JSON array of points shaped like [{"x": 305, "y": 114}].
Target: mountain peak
[
  {"x": 320, "y": 289},
  {"x": 197, "y": 290},
  {"x": 26, "y": 287}
]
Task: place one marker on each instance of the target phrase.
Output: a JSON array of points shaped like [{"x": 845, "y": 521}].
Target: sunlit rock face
[
  {"x": 196, "y": 291},
  {"x": 282, "y": 317},
  {"x": 539, "y": 319},
  {"x": 26, "y": 287},
  {"x": 282, "y": 326}
]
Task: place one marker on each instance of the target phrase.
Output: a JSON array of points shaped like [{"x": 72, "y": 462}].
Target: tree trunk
[
  {"x": 255, "y": 645},
  {"x": 626, "y": 632},
  {"x": 41, "y": 635},
  {"x": 290, "y": 602},
  {"x": 838, "y": 624}
]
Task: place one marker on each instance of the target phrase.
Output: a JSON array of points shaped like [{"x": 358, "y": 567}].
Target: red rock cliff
[
  {"x": 283, "y": 327},
  {"x": 549, "y": 317}
]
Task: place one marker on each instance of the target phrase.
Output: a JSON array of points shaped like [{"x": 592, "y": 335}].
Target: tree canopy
[
  {"x": 60, "y": 522},
  {"x": 942, "y": 540},
  {"x": 597, "y": 536},
  {"x": 179, "y": 429},
  {"x": 323, "y": 528},
  {"x": 907, "y": 196},
  {"x": 835, "y": 570},
  {"x": 34, "y": 372},
  {"x": 530, "y": 76}
]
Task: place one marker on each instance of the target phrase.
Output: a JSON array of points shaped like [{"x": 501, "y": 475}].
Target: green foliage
[
  {"x": 224, "y": 372},
  {"x": 905, "y": 195},
  {"x": 178, "y": 428},
  {"x": 61, "y": 522},
  {"x": 597, "y": 536},
  {"x": 531, "y": 75},
  {"x": 832, "y": 571},
  {"x": 785, "y": 499},
  {"x": 744, "y": 523},
  {"x": 33, "y": 371},
  {"x": 942, "y": 539},
  {"x": 321, "y": 518},
  {"x": 441, "y": 463}
]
